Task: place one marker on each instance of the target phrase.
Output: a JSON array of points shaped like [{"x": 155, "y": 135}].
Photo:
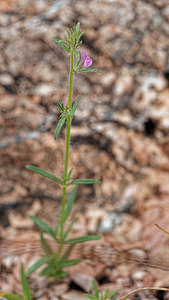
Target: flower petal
[
  {"x": 83, "y": 57},
  {"x": 88, "y": 62}
]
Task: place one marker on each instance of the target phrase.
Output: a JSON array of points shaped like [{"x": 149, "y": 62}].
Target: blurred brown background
[{"x": 120, "y": 132}]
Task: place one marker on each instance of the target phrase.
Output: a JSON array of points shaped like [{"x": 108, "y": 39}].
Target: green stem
[{"x": 64, "y": 191}]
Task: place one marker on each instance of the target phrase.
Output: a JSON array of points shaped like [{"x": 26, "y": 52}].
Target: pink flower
[{"x": 86, "y": 61}]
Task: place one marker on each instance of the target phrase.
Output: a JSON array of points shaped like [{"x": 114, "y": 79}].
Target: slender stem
[
  {"x": 67, "y": 147},
  {"x": 141, "y": 289}
]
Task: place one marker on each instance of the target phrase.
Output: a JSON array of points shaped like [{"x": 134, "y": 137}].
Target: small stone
[
  {"x": 124, "y": 84},
  {"x": 138, "y": 275},
  {"x": 44, "y": 89},
  {"x": 107, "y": 186},
  {"x": 74, "y": 295},
  {"x": 154, "y": 81},
  {"x": 108, "y": 79},
  {"x": 6, "y": 79},
  {"x": 108, "y": 223},
  {"x": 84, "y": 281},
  {"x": 94, "y": 215}
]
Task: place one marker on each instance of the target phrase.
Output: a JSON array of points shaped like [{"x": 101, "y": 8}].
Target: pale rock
[
  {"x": 165, "y": 122},
  {"x": 129, "y": 229},
  {"x": 110, "y": 222},
  {"x": 54, "y": 9},
  {"x": 94, "y": 216},
  {"x": 106, "y": 31},
  {"x": 138, "y": 275},
  {"x": 160, "y": 110},
  {"x": 6, "y": 79},
  {"x": 108, "y": 79},
  {"x": 153, "y": 81},
  {"x": 123, "y": 116},
  {"x": 18, "y": 221},
  {"x": 44, "y": 89},
  {"x": 107, "y": 187},
  {"x": 40, "y": 6},
  {"x": 83, "y": 280},
  {"x": 43, "y": 72},
  {"x": 123, "y": 85},
  {"x": 74, "y": 295}
]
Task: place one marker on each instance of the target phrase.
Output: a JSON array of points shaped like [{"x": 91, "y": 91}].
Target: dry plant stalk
[{"x": 95, "y": 251}]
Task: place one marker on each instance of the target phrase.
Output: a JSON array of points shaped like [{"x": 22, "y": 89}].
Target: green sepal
[
  {"x": 89, "y": 70},
  {"x": 59, "y": 126},
  {"x": 43, "y": 173},
  {"x": 25, "y": 285},
  {"x": 43, "y": 226},
  {"x": 38, "y": 264},
  {"x": 85, "y": 181},
  {"x": 82, "y": 239},
  {"x": 78, "y": 60},
  {"x": 62, "y": 44},
  {"x": 46, "y": 247},
  {"x": 74, "y": 107}
]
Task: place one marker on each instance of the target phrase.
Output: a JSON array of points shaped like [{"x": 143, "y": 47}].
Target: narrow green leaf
[
  {"x": 37, "y": 264},
  {"x": 60, "y": 274},
  {"x": 113, "y": 293},
  {"x": 68, "y": 251},
  {"x": 75, "y": 106},
  {"x": 85, "y": 181},
  {"x": 25, "y": 285},
  {"x": 69, "y": 33},
  {"x": 43, "y": 173},
  {"x": 62, "y": 44},
  {"x": 60, "y": 106},
  {"x": 90, "y": 296},
  {"x": 77, "y": 27},
  {"x": 57, "y": 229},
  {"x": 69, "y": 263},
  {"x": 47, "y": 249},
  {"x": 80, "y": 35},
  {"x": 82, "y": 239},
  {"x": 70, "y": 173},
  {"x": 95, "y": 289},
  {"x": 59, "y": 126},
  {"x": 69, "y": 228},
  {"x": 49, "y": 270},
  {"x": 105, "y": 295},
  {"x": 89, "y": 70},
  {"x": 70, "y": 202},
  {"x": 7, "y": 296},
  {"x": 45, "y": 227}
]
